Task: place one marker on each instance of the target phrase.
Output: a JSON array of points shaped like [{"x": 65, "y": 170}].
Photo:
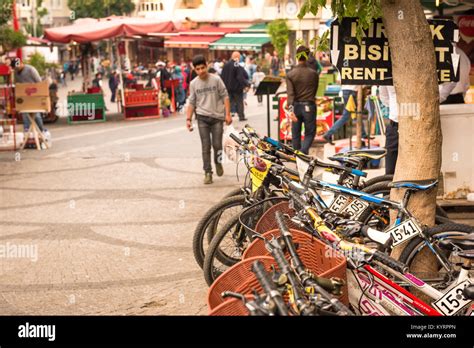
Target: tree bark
[{"x": 416, "y": 84}]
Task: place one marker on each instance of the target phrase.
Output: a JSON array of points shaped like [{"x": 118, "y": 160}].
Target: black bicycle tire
[
  {"x": 365, "y": 216},
  {"x": 418, "y": 242},
  {"x": 213, "y": 249},
  {"x": 200, "y": 231},
  {"x": 235, "y": 192},
  {"x": 440, "y": 218},
  {"x": 377, "y": 179}
]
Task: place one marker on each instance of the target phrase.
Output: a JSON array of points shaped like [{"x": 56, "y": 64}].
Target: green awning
[
  {"x": 240, "y": 42},
  {"x": 256, "y": 28}
]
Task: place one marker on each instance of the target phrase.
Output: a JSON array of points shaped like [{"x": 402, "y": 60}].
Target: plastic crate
[
  {"x": 313, "y": 253},
  {"x": 141, "y": 97},
  {"x": 95, "y": 99},
  {"x": 80, "y": 106}
]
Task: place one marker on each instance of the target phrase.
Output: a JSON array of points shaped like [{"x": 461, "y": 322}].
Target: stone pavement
[{"x": 102, "y": 223}]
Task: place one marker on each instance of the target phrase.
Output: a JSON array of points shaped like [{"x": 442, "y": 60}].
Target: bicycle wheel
[
  {"x": 377, "y": 179},
  {"x": 235, "y": 192},
  {"x": 231, "y": 240},
  {"x": 380, "y": 218},
  {"x": 434, "y": 274},
  {"x": 212, "y": 221}
]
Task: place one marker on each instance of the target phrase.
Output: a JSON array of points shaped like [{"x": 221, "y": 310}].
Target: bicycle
[{"x": 392, "y": 297}]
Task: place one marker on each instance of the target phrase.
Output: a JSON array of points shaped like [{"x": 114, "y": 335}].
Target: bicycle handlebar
[
  {"x": 237, "y": 139},
  {"x": 319, "y": 284}
]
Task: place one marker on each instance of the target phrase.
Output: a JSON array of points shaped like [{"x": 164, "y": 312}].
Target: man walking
[
  {"x": 302, "y": 85},
  {"x": 235, "y": 81},
  {"x": 209, "y": 99}
]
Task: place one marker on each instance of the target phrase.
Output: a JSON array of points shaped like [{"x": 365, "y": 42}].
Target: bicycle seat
[
  {"x": 367, "y": 153},
  {"x": 351, "y": 161},
  {"x": 468, "y": 292},
  {"x": 415, "y": 185},
  {"x": 465, "y": 243}
]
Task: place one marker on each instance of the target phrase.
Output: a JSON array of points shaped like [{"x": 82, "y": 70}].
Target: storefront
[{"x": 193, "y": 42}]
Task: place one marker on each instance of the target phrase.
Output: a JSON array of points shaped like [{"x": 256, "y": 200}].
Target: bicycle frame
[{"x": 385, "y": 296}]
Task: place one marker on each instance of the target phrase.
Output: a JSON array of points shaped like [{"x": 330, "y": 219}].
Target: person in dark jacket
[
  {"x": 234, "y": 79},
  {"x": 164, "y": 76},
  {"x": 302, "y": 85},
  {"x": 113, "y": 85}
]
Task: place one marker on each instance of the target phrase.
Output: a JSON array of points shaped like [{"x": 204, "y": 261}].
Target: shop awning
[
  {"x": 210, "y": 30},
  {"x": 244, "y": 42},
  {"x": 191, "y": 41},
  {"x": 87, "y": 30},
  {"x": 256, "y": 28}
]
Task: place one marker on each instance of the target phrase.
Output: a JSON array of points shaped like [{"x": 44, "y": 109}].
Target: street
[{"x": 107, "y": 215}]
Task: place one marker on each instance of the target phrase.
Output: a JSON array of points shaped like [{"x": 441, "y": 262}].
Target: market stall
[
  {"x": 141, "y": 103},
  {"x": 10, "y": 140},
  {"x": 136, "y": 102}
]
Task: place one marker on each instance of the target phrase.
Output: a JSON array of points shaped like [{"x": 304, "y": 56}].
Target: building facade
[
  {"x": 58, "y": 12},
  {"x": 234, "y": 13}
]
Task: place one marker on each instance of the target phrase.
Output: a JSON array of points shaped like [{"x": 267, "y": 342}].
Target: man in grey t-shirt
[{"x": 208, "y": 98}]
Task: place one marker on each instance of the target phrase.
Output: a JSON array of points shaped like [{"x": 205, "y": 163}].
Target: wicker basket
[
  {"x": 267, "y": 221},
  {"x": 313, "y": 254},
  {"x": 239, "y": 278}
]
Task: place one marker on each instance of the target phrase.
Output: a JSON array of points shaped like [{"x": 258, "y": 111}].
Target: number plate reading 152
[
  {"x": 453, "y": 301},
  {"x": 406, "y": 230}
]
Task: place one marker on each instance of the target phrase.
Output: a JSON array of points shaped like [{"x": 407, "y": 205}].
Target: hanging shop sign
[{"x": 368, "y": 62}]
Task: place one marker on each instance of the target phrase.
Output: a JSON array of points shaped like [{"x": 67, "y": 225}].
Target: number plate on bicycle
[
  {"x": 338, "y": 204},
  {"x": 355, "y": 208},
  {"x": 453, "y": 301},
  {"x": 406, "y": 230}
]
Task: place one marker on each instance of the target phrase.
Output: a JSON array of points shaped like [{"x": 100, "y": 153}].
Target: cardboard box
[
  {"x": 32, "y": 96},
  {"x": 40, "y": 89}
]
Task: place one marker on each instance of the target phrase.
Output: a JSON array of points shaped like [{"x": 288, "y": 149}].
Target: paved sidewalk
[{"x": 103, "y": 221}]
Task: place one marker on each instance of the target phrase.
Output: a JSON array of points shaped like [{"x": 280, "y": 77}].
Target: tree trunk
[{"x": 416, "y": 85}]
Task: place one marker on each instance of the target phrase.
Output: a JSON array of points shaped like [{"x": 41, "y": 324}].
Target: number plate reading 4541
[
  {"x": 453, "y": 301},
  {"x": 406, "y": 230}
]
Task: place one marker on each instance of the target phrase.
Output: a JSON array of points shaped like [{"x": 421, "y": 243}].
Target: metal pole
[
  {"x": 119, "y": 65},
  {"x": 268, "y": 112},
  {"x": 33, "y": 16}
]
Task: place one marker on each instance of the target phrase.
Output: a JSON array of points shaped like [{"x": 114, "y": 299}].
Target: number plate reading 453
[
  {"x": 406, "y": 230},
  {"x": 453, "y": 301}
]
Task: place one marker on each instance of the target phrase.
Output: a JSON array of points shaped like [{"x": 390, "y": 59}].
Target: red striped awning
[{"x": 192, "y": 41}]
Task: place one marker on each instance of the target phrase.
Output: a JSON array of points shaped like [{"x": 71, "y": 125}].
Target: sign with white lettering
[{"x": 369, "y": 63}]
